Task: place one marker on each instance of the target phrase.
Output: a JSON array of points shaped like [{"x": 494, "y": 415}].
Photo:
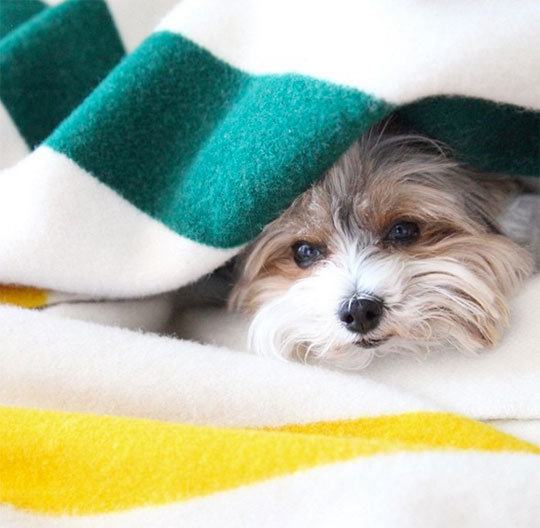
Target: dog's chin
[
  {"x": 351, "y": 357},
  {"x": 360, "y": 354},
  {"x": 371, "y": 343}
]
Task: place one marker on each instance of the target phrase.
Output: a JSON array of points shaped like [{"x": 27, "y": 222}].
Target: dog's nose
[{"x": 361, "y": 315}]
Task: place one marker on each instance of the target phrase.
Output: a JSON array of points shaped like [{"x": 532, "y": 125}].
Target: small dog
[{"x": 397, "y": 248}]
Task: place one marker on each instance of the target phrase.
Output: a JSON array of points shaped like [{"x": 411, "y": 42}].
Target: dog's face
[{"x": 395, "y": 249}]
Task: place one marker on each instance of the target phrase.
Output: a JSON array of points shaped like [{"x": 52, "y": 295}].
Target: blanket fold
[
  {"x": 233, "y": 435},
  {"x": 127, "y": 175}
]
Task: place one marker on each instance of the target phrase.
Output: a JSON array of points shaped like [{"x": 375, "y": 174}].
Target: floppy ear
[
  {"x": 259, "y": 262},
  {"x": 489, "y": 198},
  {"x": 508, "y": 206},
  {"x": 520, "y": 221}
]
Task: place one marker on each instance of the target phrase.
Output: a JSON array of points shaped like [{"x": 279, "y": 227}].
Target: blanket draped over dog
[{"x": 141, "y": 152}]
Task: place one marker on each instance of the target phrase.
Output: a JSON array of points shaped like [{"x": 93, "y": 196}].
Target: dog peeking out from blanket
[{"x": 398, "y": 248}]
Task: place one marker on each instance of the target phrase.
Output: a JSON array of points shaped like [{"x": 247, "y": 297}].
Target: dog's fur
[{"x": 449, "y": 286}]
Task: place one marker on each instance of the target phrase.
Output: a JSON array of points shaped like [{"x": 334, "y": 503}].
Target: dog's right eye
[{"x": 306, "y": 254}]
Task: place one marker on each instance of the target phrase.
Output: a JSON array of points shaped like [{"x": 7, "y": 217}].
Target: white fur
[
  {"x": 307, "y": 312},
  {"x": 418, "y": 296},
  {"x": 421, "y": 307}
]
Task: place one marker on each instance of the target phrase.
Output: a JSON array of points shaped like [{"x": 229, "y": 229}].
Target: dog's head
[{"x": 396, "y": 249}]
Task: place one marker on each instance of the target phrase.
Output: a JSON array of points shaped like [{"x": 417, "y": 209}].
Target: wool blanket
[{"x": 143, "y": 145}]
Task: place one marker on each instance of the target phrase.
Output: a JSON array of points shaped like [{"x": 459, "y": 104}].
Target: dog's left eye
[
  {"x": 403, "y": 232},
  {"x": 305, "y": 253}
]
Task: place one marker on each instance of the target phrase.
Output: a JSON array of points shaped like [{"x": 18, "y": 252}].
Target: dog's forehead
[
  {"x": 365, "y": 196},
  {"x": 359, "y": 203},
  {"x": 327, "y": 213}
]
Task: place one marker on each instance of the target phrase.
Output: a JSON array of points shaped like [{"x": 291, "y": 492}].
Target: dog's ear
[
  {"x": 268, "y": 254},
  {"x": 487, "y": 200}
]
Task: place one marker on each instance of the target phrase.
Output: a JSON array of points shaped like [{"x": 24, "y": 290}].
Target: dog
[{"x": 398, "y": 248}]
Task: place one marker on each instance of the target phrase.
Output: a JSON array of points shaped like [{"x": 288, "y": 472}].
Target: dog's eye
[
  {"x": 403, "y": 232},
  {"x": 305, "y": 253}
]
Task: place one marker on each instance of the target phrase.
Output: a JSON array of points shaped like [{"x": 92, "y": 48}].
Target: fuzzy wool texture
[
  {"x": 352, "y": 493},
  {"x": 110, "y": 371},
  {"x": 15, "y": 12},
  {"x": 53, "y": 61}
]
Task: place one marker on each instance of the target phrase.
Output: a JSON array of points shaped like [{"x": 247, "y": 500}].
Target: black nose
[{"x": 361, "y": 315}]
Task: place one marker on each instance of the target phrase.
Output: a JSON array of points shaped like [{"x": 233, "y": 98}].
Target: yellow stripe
[
  {"x": 64, "y": 463},
  {"x": 22, "y": 296},
  {"x": 420, "y": 430}
]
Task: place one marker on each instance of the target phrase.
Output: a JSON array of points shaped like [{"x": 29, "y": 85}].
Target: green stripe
[
  {"x": 14, "y": 12},
  {"x": 210, "y": 151},
  {"x": 490, "y": 136},
  {"x": 52, "y": 62},
  {"x": 215, "y": 153}
]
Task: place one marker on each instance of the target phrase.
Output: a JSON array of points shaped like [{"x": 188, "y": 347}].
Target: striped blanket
[{"x": 143, "y": 144}]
